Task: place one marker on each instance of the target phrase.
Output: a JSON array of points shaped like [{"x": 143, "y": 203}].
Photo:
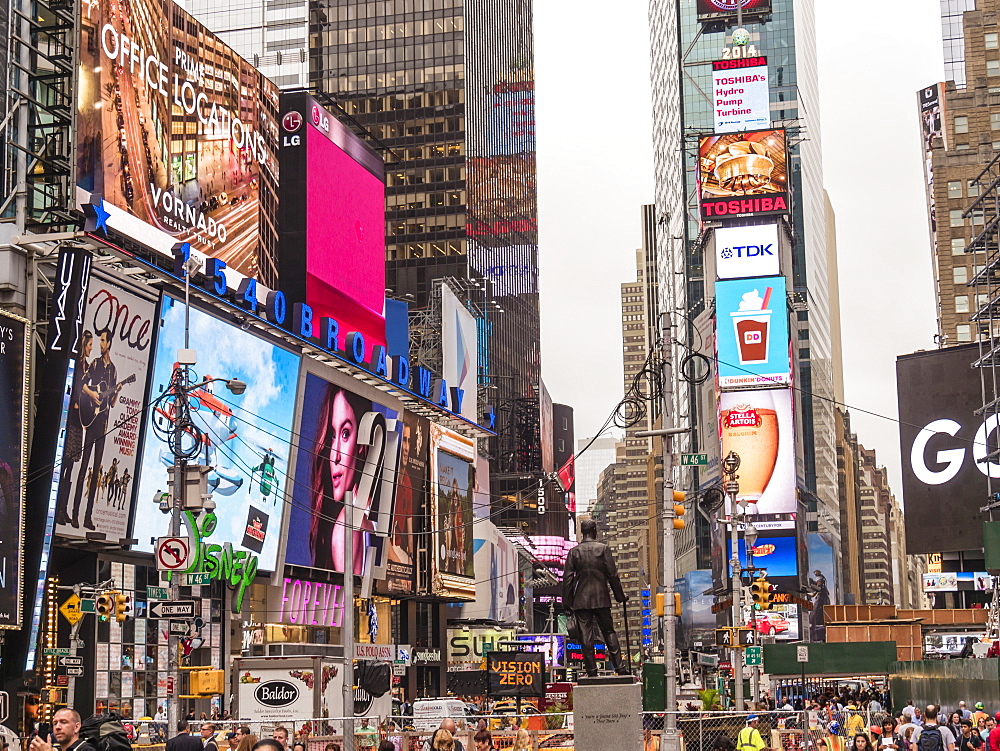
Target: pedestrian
[
  {"x": 862, "y": 742},
  {"x": 955, "y": 723},
  {"x": 993, "y": 741},
  {"x": 749, "y": 738},
  {"x": 968, "y": 739},
  {"x": 299, "y": 746},
  {"x": 365, "y": 736},
  {"x": 980, "y": 713},
  {"x": 442, "y": 740},
  {"x": 482, "y": 740},
  {"x": 933, "y": 737},
  {"x": 208, "y": 741},
  {"x": 184, "y": 741},
  {"x": 232, "y": 741},
  {"x": 66, "y": 724},
  {"x": 446, "y": 724},
  {"x": 966, "y": 714},
  {"x": 280, "y": 734},
  {"x": 522, "y": 742}
]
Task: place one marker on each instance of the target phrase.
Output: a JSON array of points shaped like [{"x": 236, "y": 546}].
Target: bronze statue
[{"x": 589, "y": 571}]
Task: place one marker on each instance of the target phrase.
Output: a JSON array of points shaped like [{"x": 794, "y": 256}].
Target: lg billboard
[{"x": 943, "y": 443}]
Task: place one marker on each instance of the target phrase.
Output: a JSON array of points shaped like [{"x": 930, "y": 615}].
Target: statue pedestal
[
  {"x": 607, "y": 714},
  {"x": 605, "y": 680}
]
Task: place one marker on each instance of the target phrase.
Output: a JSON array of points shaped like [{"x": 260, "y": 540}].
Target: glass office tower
[{"x": 682, "y": 60}]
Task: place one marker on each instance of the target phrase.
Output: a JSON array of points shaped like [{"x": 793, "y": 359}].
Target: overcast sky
[{"x": 595, "y": 171}]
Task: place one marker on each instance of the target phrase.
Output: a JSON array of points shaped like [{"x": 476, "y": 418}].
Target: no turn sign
[{"x": 171, "y": 553}]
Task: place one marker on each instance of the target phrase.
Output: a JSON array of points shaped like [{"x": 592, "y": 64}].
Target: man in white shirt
[
  {"x": 931, "y": 726},
  {"x": 910, "y": 710}
]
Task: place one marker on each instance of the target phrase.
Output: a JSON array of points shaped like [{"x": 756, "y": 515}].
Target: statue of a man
[{"x": 589, "y": 571}]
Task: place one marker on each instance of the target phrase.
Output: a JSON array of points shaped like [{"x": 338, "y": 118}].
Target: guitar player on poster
[{"x": 98, "y": 393}]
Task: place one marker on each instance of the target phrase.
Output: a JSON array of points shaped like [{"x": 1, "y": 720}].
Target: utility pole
[
  {"x": 670, "y": 740},
  {"x": 181, "y": 418},
  {"x": 347, "y": 630},
  {"x": 729, "y": 466}
]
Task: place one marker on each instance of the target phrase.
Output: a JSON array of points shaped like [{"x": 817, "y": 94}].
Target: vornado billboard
[
  {"x": 942, "y": 445},
  {"x": 177, "y": 130}
]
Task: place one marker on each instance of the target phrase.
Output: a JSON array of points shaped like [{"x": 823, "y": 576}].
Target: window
[
  {"x": 991, "y": 40},
  {"x": 961, "y": 146},
  {"x": 993, "y": 67},
  {"x": 961, "y": 124},
  {"x": 963, "y": 332},
  {"x": 973, "y": 189},
  {"x": 962, "y": 304},
  {"x": 956, "y": 218},
  {"x": 995, "y": 120},
  {"x": 960, "y": 275},
  {"x": 958, "y": 246},
  {"x": 955, "y": 189}
]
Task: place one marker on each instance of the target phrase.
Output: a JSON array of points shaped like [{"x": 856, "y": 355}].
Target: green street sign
[
  {"x": 56, "y": 651},
  {"x": 694, "y": 460},
  {"x": 157, "y": 593},
  {"x": 755, "y": 656},
  {"x": 197, "y": 580},
  {"x": 88, "y": 606}
]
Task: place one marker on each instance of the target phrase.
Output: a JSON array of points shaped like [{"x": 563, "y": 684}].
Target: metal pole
[
  {"x": 730, "y": 464},
  {"x": 670, "y": 741},
  {"x": 348, "y": 629},
  {"x": 180, "y": 465}
]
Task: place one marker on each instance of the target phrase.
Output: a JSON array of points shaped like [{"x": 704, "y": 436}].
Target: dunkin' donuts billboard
[
  {"x": 752, "y": 333},
  {"x": 759, "y": 426}
]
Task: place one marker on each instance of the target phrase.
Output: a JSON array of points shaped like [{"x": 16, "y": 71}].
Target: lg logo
[{"x": 952, "y": 459}]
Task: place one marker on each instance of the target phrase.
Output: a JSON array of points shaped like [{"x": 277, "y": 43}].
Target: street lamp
[{"x": 729, "y": 465}]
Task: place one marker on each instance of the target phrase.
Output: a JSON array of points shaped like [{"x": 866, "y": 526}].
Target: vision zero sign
[{"x": 742, "y": 252}]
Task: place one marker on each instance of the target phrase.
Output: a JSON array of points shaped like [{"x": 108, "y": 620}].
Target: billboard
[
  {"x": 743, "y": 175},
  {"x": 497, "y": 584},
  {"x": 502, "y": 208},
  {"x": 726, "y": 10},
  {"x": 511, "y": 126},
  {"x": 760, "y": 427},
  {"x": 334, "y": 462},
  {"x": 747, "y": 251},
  {"x": 107, "y": 397},
  {"x": 512, "y": 270},
  {"x": 453, "y": 473},
  {"x": 776, "y": 554},
  {"x": 932, "y": 111},
  {"x": 332, "y": 219},
  {"x": 246, "y": 437},
  {"x": 516, "y": 674},
  {"x": 460, "y": 366},
  {"x": 15, "y": 363},
  {"x": 752, "y": 333},
  {"x": 942, "y": 444},
  {"x": 176, "y": 129},
  {"x": 411, "y": 504},
  {"x": 740, "y": 94},
  {"x": 822, "y": 576}
]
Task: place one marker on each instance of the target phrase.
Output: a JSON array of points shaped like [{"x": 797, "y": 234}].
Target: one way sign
[
  {"x": 71, "y": 662},
  {"x": 180, "y": 609}
]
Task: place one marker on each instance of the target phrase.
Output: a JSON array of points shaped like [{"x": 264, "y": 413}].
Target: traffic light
[
  {"x": 123, "y": 607},
  {"x": 760, "y": 591},
  {"x": 207, "y": 682},
  {"x": 677, "y": 604},
  {"x": 105, "y": 605},
  {"x": 678, "y": 509},
  {"x": 661, "y": 604}
]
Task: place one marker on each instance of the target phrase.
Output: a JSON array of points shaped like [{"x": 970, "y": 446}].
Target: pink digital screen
[{"x": 345, "y": 266}]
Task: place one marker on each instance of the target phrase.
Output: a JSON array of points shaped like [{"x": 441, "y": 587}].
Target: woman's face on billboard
[{"x": 344, "y": 446}]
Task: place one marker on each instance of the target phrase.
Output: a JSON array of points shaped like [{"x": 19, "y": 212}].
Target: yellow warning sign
[{"x": 71, "y": 609}]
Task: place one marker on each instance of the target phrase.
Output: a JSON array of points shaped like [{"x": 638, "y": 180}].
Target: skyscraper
[{"x": 782, "y": 31}]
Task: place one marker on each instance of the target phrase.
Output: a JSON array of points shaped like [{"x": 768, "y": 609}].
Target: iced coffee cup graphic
[{"x": 753, "y": 327}]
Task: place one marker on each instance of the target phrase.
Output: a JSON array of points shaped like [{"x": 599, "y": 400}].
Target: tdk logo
[
  {"x": 743, "y": 252},
  {"x": 747, "y": 251}
]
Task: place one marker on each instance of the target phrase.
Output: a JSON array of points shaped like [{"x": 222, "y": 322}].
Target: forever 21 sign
[{"x": 276, "y": 693}]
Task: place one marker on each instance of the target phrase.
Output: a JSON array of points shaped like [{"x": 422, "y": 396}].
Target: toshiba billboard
[{"x": 740, "y": 94}]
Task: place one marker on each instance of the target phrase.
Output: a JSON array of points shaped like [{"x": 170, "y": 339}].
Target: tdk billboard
[{"x": 742, "y": 252}]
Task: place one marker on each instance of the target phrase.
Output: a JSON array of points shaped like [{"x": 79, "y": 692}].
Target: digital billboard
[
  {"x": 453, "y": 472},
  {"x": 512, "y": 270},
  {"x": 752, "y": 333},
  {"x": 726, "y": 10},
  {"x": 942, "y": 443},
  {"x": 332, "y": 219},
  {"x": 104, "y": 417},
  {"x": 246, "y": 438},
  {"x": 931, "y": 100},
  {"x": 760, "y": 427},
  {"x": 334, "y": 463},
  {"x": 176, "y": 129},
  {"x": 412, "y": 492},
  {"x": 516, "y": 674},
  {"x": 776, "y": 554},
  {"x": 15, "y": 363},
  {"x": 460, "y": 357},
  {"x": 502, "y": 208},
  {"x": 742, "y": 175},
  {"x": 823, "y": 585},
  {"x": 741, "y": 95},
  {"x": 747, "y": 251},
  {"x": 497, "y": 583}
]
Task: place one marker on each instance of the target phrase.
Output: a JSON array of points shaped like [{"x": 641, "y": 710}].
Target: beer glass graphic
[
  {"x": 750, "y": 428},
  {"x": 752, "y": 323}
]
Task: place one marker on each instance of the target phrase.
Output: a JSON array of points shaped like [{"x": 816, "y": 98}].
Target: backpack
[
  {"x": 930, "y": 739},
  {"x": 105, "y": 732}
]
